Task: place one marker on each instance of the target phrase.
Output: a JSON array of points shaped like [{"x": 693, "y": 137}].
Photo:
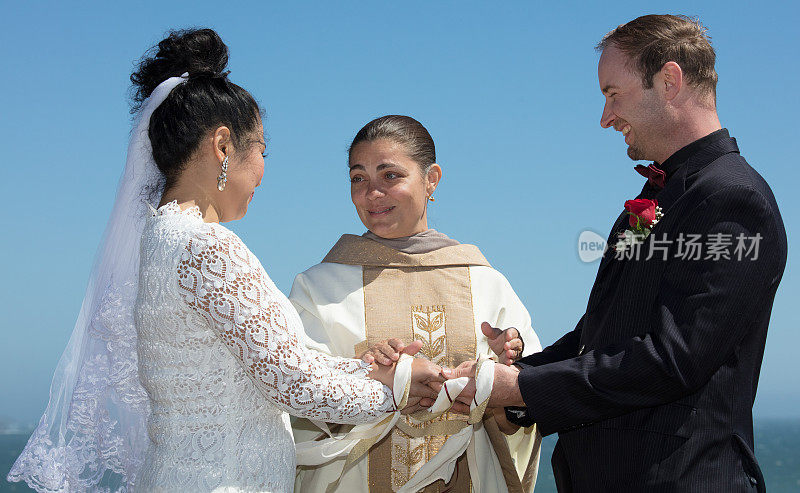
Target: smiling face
[
  {"x": 637, "y": 112},
  {"x": 245, "y": 171},
  {"x": 389, "y": 190}
]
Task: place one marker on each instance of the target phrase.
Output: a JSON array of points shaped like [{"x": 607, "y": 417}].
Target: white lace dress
[{"x": 221, "y": 358}]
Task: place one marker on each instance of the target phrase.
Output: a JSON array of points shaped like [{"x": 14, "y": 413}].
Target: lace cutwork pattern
[{"x": 215, "y": 338}]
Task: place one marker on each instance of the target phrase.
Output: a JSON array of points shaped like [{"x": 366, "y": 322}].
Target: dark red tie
[{"x": 655, "y": 176}]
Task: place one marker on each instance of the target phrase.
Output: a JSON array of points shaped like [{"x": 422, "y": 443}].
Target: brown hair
[
  {"x": 653, "y": 40},
  {"x": 403, "y": 130}
]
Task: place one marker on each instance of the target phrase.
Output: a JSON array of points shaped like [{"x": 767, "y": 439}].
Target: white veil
[{"x": 93, "y": 435}]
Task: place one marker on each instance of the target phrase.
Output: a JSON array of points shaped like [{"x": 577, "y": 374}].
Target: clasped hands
[{"x": 427, "y": 377}]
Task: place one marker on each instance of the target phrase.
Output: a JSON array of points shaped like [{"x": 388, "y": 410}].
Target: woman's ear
[
  {"x": 432, "y": 178},
  {"x": 221, "y": 139}
]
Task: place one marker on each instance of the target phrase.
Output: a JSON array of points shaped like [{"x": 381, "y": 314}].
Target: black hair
[{"x": 205, "y": 101}]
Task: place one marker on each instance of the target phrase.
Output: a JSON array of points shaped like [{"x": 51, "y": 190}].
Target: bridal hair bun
[
  {"x": 204, "y": 102},
  {"x": 196, "y": 51}
]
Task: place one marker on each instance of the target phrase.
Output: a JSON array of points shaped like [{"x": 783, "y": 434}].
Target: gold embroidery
[
  {"x": 397, "y": 285},
  {"x": 429, "y": 326},
  {"x": 438, "y": 312}
]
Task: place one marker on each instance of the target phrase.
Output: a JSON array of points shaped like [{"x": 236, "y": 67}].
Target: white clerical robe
[{"x": 364, "y": 292}]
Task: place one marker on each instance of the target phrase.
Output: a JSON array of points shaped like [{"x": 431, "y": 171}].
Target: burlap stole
[{"x": 426, "y": 297}]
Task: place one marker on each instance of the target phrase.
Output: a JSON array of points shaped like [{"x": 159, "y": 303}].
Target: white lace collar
[{"x": 172, "y": 208}]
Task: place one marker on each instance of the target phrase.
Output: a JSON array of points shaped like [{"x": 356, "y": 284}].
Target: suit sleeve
[
  {"x": 564, "y": 348},
  {"x": 703, "y": 311}
]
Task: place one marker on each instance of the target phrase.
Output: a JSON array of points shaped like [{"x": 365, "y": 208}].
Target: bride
[{"x": 186, "y": 358}]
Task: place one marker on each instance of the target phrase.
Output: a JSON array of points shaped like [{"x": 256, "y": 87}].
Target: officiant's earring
[
  {"x": 430, "y": 197},
  {"x": 222, "y": 179}
]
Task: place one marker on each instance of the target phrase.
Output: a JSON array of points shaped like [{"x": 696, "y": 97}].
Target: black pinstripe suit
[{"x": 654, "y": 389}]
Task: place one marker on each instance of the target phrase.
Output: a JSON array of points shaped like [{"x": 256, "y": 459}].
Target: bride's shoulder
[
  {"x": 216, "y": 237},
  {"x": 184, "y": 229}
]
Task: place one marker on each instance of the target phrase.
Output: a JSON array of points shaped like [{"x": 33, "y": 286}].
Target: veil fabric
[{"x": 93, "y": 434}]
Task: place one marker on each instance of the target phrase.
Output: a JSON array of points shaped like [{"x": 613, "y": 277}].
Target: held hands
[
  {"x": 427, "y": 378},
  {"x": 424, "y": 374},
  {"x": 505, "y": 391}
]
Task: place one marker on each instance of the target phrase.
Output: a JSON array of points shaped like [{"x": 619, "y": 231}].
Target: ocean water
[{"x": 777, "y": 451}]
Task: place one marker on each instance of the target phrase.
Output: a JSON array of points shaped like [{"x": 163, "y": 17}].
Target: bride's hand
[
  {"x": 383, "y": 374},
  {"x": 388, "y": 352}
]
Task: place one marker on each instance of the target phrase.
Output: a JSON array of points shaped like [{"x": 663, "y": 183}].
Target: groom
[{"x": 653, "y": 390}]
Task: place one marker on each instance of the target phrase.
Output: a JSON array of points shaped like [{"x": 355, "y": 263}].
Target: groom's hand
[
  {"x": 505, "y": 391},
  {"x": 387, "y": 352},
  {"x": 506, "y": 344}
]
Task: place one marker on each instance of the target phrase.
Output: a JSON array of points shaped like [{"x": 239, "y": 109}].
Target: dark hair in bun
[
  {"x": 205, "y": 101},
  {"x": 404, "y": 130}
]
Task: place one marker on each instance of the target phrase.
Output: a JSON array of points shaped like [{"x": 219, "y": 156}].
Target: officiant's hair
[
  {"x": 653, "y": 40},
  {"x": 404, "y": 130},
  {"x": 205, "y": 101}
]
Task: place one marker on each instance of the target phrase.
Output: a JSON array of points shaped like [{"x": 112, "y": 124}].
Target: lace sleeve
[{"x": 223, "y": 281}]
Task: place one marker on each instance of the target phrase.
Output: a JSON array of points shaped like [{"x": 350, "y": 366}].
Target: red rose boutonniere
[{"x": 643, "y": 215}]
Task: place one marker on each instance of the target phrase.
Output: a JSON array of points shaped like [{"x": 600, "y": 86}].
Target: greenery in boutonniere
[{"x": 643, "y": 214}]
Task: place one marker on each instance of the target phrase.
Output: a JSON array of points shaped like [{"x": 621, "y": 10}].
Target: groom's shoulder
[{"x": 731, "y": 175}]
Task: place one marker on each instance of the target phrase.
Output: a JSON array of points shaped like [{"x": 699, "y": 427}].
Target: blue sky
[{"x": 507, "y": 89}]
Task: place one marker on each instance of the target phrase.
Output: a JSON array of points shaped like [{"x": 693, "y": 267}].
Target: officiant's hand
[
  {"x": 506, "y": 344},
  {"x": 388, "y": 352}
]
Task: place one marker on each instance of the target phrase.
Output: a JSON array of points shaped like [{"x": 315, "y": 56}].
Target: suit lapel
[{"x": 666, "y": 197}]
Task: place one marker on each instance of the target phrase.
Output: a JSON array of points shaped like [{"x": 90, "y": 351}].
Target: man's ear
[{"x": 671, "y": 80}]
